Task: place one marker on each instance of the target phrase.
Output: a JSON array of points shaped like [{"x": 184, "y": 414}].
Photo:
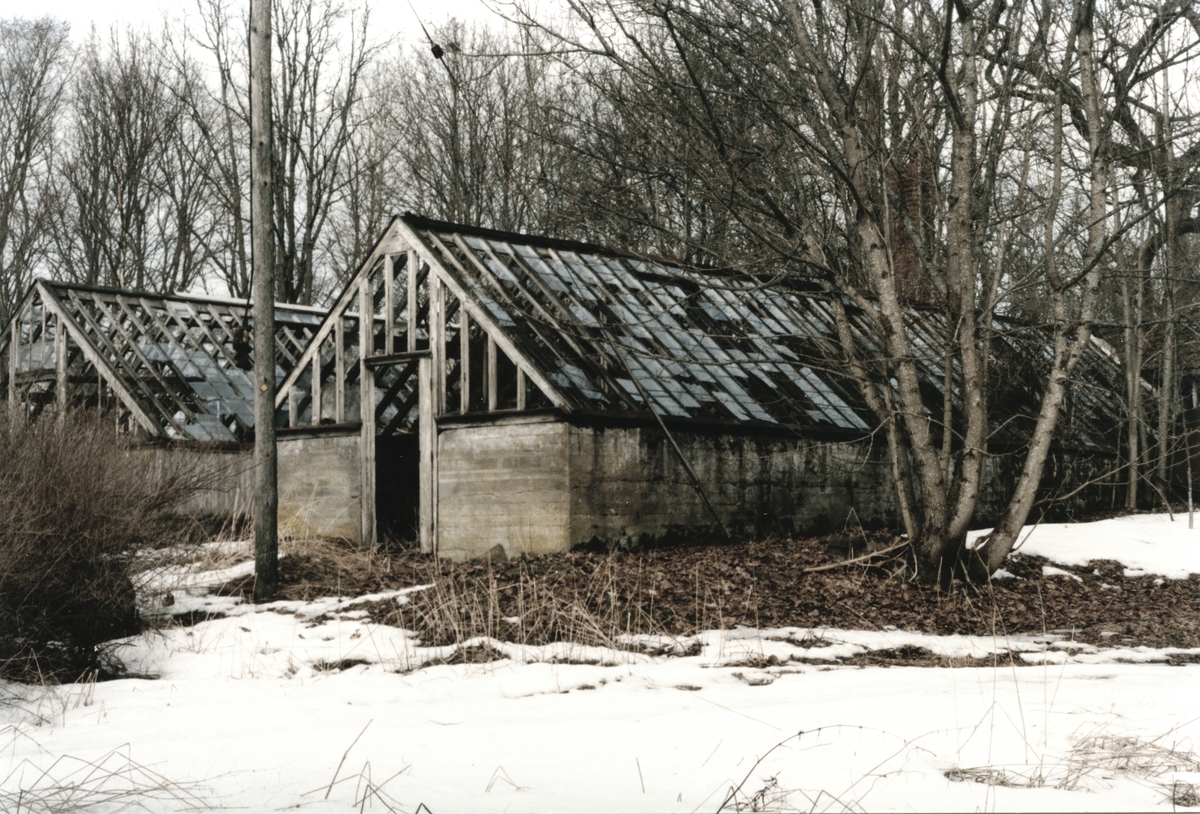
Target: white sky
[{"x": 390, "y": 17}]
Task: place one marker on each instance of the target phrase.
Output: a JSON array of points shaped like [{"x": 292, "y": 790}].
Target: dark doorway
[{"x": 397, "y": 481}]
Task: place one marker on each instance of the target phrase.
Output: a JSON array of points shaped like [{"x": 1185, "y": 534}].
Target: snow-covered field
[{"x": 308, "y": 706}]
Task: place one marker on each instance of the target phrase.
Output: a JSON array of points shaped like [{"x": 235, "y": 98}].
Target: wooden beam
[
  {"x": 404, "y": 374},
  {"x": 102, "y": 337},
  {"x": 133, "y": 346},
  {"x": 391, "y": 359},
  {"x": 212, "y": 337},
  {"x": 485, "y": 319},
  {"x": 520, "y": 388},
  {"x": 316, "y": 388},
  {"x": 366, "y": 402},
  {"x": 41, "y": 342},
  {"x": 297, "y": 343},
  {"x": 203, "y": 325},
  {"x": 238, "y": 385},
  {"x": 175, "y": 316},
  {"x": 103, "y": 368},
  {"x": 536, "y": 281},
  {"x": 391, "y": 241},
  {"x": 437, "y": 342}
]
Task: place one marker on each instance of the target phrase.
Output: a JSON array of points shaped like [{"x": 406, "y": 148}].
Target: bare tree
[
  {"x": 131, "y": 188},
  {"x": 891, "y": 149},
  {"x": 185, "y": 216},
  {"x": 35, "y": 64},
  {"x": 366, "y": 199},
  {"x": 318, "y": 94},
  {"x": 322, "y": 51},
  {"x": 477, "y": 129},
  {"x": 217, "y": 110},
  {"x": 1154, "y": 296}
]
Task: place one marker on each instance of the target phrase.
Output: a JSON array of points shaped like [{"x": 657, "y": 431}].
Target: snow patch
[
  {"x": 1051, "y": 571},
  {"x": 1142, "y": 543}
]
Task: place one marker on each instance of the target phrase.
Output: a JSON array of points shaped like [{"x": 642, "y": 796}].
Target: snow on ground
[
  {"x": 216, "y": 563},
  {"x": 1144, "y": 543},
  {"x": 309, "y": 706}
]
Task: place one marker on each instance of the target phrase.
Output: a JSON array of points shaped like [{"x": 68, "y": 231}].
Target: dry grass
[
  {"x": 113, "y": 782},
  {"x": 530, "y": 603},
  {"x": 75, "y": 505},
  {"x": 1095, "y": 759}
]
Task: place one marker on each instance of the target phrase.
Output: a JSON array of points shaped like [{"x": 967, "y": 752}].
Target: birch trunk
[{"x": 1071, "y": 333}]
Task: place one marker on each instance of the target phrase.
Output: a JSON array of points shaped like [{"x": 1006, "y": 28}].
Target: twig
[
  {"x": 733, "y": 792},
  {"x": 863, "y": 558},
  {"x": 341, "y": 762}
]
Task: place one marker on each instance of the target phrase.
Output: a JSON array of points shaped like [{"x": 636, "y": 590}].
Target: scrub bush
[{"x": 76, "y": 504}]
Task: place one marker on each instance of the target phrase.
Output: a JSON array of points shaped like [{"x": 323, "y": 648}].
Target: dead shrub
[
  {"x": 76, "y": 504},
  {"x": 530, "y": 602}
]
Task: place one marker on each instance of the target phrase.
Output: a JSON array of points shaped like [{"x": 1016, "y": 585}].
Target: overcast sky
[{"x": 390, "y": 16}]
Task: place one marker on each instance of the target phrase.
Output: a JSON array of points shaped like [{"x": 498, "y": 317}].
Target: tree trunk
[{"x": 1071, "y": 336}]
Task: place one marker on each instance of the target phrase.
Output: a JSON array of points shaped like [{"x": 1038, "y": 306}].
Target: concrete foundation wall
[
  {"x": 320, "y": 484},
  {"x": 1064, "y": 474},
  {"x": 503, "y": 484},
  {"x": 542, "y": 487},
  {"x": 225, "y": 477},
  {"x": 628, "y": 486}
]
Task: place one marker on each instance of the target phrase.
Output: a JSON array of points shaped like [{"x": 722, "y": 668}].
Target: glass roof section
[
  {"x": 623, "y": 334},
  {"x": 178, "y": 363}
]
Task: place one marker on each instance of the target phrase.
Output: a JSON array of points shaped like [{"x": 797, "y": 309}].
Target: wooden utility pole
[{"x": 262, "y": 247}]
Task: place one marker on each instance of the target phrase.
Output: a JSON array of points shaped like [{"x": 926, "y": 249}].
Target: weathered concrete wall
[
  {"x": 542, "y": 487},
  {"x": 628, "y": 486},
  {"x": 1064, "y": 475},
  {"x": 503, "y": 484},
  {"x": 224, "y": 477},
  {"x": 549, "y": 486},
  {"x": 320, "y": 483}
]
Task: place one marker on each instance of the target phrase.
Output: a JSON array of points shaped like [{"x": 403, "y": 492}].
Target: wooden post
[
  {"x": 464, "y": 360},
  {"x": 339, "y": 366},
  {"x": 366, "y": 402},
  {"x": 14, "y": 341},
  {"x": 389, "y": 317},
  {"x": 491, "y": 374},
  {"x": 437, "y": 342},
  {"x": 42, "y": 341},
  {"x": 316, "y": 388},
  {"x": 411, "y": 267},
  {"x": 427, "y": 443},
  {"x": 60, "y": 367},
  {"x": 266, "y": 485}
]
